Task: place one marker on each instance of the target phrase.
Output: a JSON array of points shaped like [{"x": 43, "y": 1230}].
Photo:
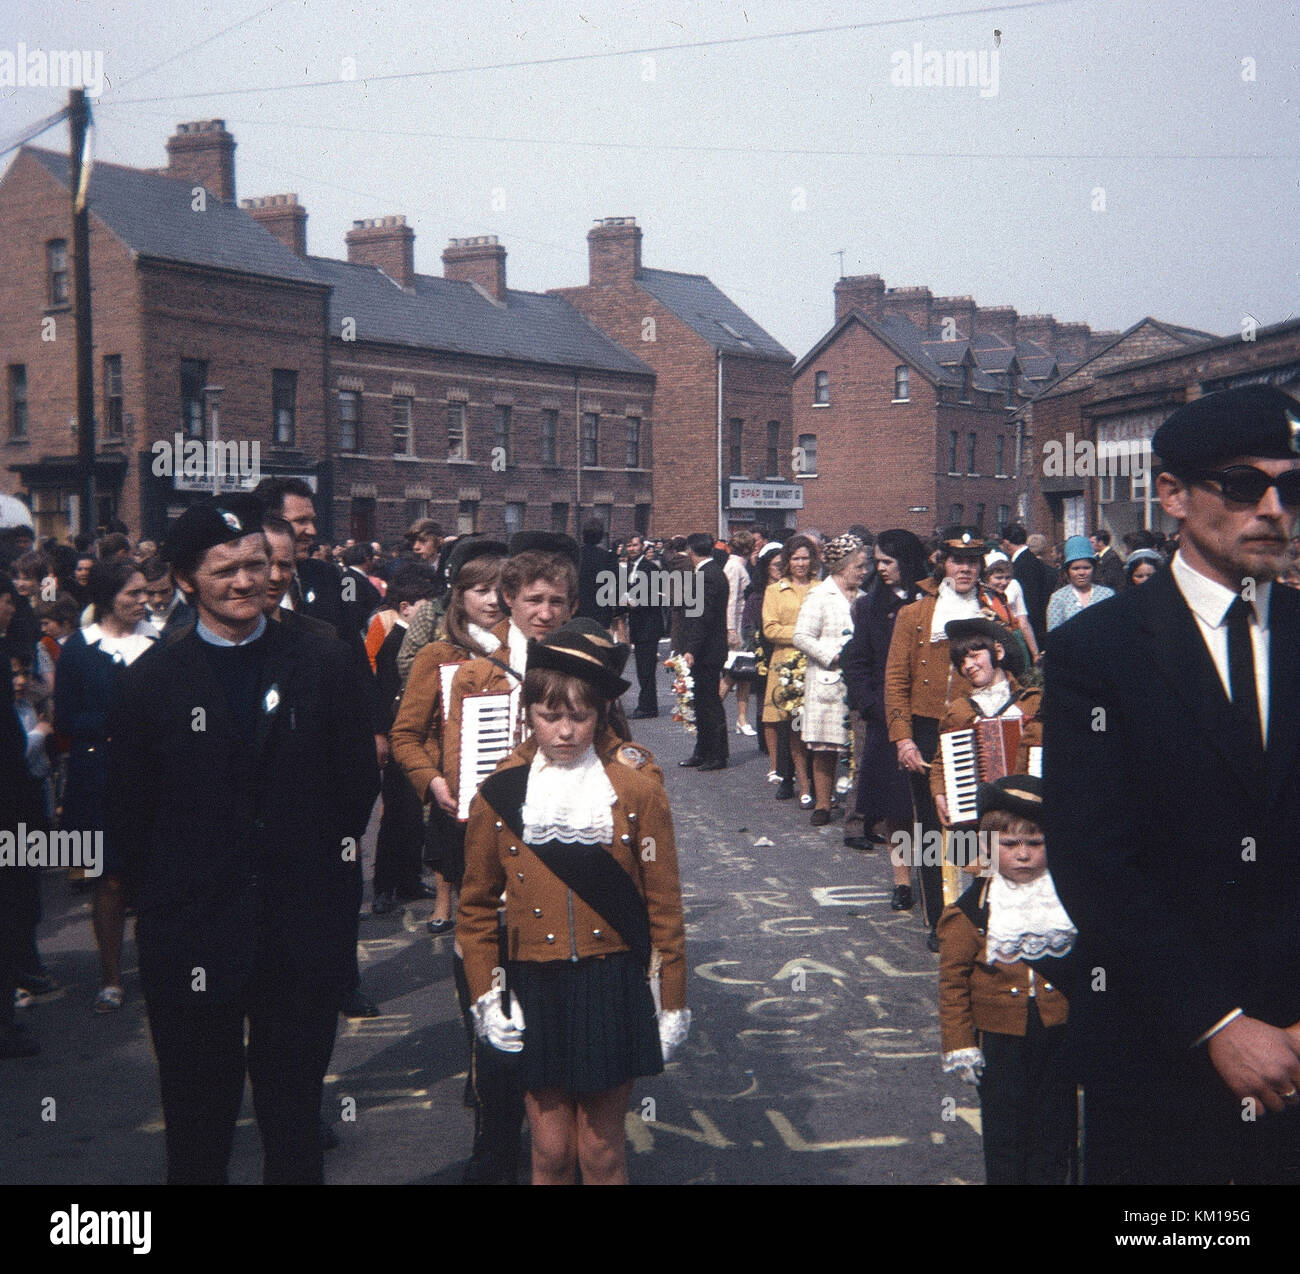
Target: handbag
[{"x": 741, "y": 665}]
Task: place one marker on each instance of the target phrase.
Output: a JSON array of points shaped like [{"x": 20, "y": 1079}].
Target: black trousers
[
  {"x": 1027, "y": 1106},
  {"x": 400, "y": 841},
  {"x": 710, "y": 717},
  {"x": 925, "y": 734},
  {"x": 647, "y": 662},
  {"x": 1184, "y": 1128},
  {"x": 202, "y": 1061}
]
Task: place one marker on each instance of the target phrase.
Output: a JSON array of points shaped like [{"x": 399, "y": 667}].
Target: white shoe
[
  {"x": 746, "y": 728},
  {"x": 773, "y": 776}
]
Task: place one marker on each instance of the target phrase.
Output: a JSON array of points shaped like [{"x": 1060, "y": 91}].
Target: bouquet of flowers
[
  {"x": 684, "y": 689},
  {"x": 789, "y": 671}
]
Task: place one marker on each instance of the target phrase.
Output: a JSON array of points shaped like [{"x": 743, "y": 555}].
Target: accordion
[
  {"x": 985, "y": 752},
  {"x": 487, "y": 734}
]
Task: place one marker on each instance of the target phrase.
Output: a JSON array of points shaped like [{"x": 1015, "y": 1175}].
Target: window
[
  {"x": 979, "y": 518},
  {"x": 113, "y": 395},
  {"x": 501, "y": 432},
  {"x": 559, "y": 518},
  {"x": 590, "y": 440},
  {"x": 1004, "y": 514},
  {"x": 773, "y": 468},
  {"x": 18, "y": 400},
  {"x": 514, "y": 517},
  {"x": 902, "y": 384},
  {"x": 805, "y": 461},
  {"x": 965, "y": 383},
  {"x": 642, "y": 520},
  {"x": 467, "y": 517},
  {"x": 821, "y": 387},
  {"x": 403, "y": 442},
  {"x": 955, "y": 514},
  {"x": 1002, "y": 446},
  {"x": 737, "y": 449},
  {"x": 952, "y": 451},
  {"x": 284, "y": 400},
  {"x": 457, "y": 438},
  {"x": 56, "y": 270},
  {"x": 349, "y": 420},
  {"x": 415, "y": 510},
  {"x": 550, "y": 427},
  {"x": 970, "y": 453},
  {"x": 634, "y": 442},
  {"x": 194, "y": 375}
]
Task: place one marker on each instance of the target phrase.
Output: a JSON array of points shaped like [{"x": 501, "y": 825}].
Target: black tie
[{"x": 1241, "y": 664}]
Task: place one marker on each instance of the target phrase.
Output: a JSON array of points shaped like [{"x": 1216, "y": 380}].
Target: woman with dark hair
[
  {"x": 89, "y": 669},
  {"x": 883, "y": 794},
  {"x": 1141, "y": 565},
  {"x": 781, "y": 603}
]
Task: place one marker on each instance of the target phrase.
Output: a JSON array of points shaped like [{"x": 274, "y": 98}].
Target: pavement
[{"x": 813, "y": 1057}]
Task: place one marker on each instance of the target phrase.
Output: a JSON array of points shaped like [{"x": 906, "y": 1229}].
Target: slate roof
[
  {"x": 153, "y": 216},
  {"x": 914, "y": 345},
  {"x": 710, "y": 313},
  {"x": 446, "y": 315}
]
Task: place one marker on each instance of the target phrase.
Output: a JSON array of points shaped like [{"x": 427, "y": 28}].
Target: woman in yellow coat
[{"x": 781, "y": 603}]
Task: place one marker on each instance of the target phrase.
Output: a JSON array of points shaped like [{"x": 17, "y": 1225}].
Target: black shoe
[
  {"x": 713, "y": 765},
  {"x": 691, "y": 762},
  {"x": 786, "y": 790},
  {"x": 820, "y": 818},
  {"x": 15, "y": 1042},
  {"x": 902, "y": 899},
  {"x": 381, "y": 905},
  {"x": 932, "y": 942},
  {"x": 37, "y": 983},
  {"x": 421, "y": 891},
  {"x": 858, "y": 842},
  {"x": 642, "y": 715},
  {"x": 359, "y": 1004}
]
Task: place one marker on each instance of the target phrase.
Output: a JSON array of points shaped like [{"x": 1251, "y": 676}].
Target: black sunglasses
[{"x": 1244, "y": 484}]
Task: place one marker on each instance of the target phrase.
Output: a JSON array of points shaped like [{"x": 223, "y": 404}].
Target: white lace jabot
[
  {"x": 952, "y": 605},
  {"x": 1027, "y": 921},
  {"x": 569, "y": 802}
]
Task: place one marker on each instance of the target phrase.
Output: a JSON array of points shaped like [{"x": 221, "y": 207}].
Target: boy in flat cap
[
  {"x": 241, "y": 776},
  {"x": 1179, "y": 703},
  {"x": 1001, "y": 1013}
]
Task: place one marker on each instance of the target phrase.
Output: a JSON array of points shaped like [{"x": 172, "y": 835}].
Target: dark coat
[
  {"x": 645, "y": 623},
  {"x": 1038, "y": 583},
  {"x": 360, "y": 599},
  {"x": 1173, "y": 840},
  {"x": 704, "y": 636},
  {"x": 237, "y": 853},
  {"x": 1110, "y": 570},
  {"x": 595, "y": 565}
]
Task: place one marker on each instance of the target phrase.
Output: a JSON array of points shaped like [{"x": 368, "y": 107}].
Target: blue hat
[{"x": 1078, "y": 548}]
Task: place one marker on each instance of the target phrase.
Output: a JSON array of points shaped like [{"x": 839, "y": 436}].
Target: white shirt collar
[
  {"x": 1209, "y": 600},
  {"x": 517, "y": 645},
  {"x": 214, "y": 639}
]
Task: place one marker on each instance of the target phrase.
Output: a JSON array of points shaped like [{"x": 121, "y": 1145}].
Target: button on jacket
[{"x": 546, "y": 920}]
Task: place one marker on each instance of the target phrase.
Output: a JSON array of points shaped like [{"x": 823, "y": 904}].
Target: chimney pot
[
  {"x": 478, "y": 259},
  {"x": 387, "y": 243}
]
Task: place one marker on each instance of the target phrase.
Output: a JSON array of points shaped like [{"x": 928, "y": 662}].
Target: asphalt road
[{"x": 813, "y": 1056}]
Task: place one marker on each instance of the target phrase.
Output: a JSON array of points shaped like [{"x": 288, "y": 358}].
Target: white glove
[
  {"x": 967, "y": 1062},
  {"x": 674, "y": 1026},
  {"x": 492, "y": 1025}
]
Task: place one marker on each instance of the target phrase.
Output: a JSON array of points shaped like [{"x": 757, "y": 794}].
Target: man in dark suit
[
  {"x": 360, "y": 597},
  {"x": 1110, "y": 567},
  {"x": 645, "y": 622},
  {"x": 1172, "y": 803},
  {"x": 241, "y": 777},
  {"x": 1037, "y": 579},
  {"x": 703, "y": 638},
  {"x": 597, "y": 576}
]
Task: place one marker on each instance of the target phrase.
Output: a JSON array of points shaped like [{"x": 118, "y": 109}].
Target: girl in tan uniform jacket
[{"x": 595, "y": 972}]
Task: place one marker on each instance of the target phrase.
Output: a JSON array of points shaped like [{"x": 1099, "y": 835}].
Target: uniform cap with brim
[
  {"x": 217, "y": 520},
  {"x": 470, "y": 547},
  {"x": 963, "y": 540},
  {"x": 1253, "y": 420},
  {"x": 1019, "y": 794},
  {"x": 582, "y": 648},
  {"x": 544, "y": 542}
]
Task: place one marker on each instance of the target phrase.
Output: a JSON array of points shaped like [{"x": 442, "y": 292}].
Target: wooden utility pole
[{"x": 78, "y": 122}]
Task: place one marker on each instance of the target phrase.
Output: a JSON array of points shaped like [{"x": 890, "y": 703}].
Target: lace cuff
[
  {"x": 674, "y": 1026},
  {"x": 969, "y": 1061}
]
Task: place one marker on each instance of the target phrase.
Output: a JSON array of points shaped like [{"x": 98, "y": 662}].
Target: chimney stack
[
  {"x": 387, "y": 243},
  {"x": 203, "y": 154},
  {"x": 283, "y": 216},
  {"x": 859, "y": 292},
  {"x": 910, "y": 303},
  {"x": 961, "y": 309},
  {"x": 1000, "y": 319},
  {"x": 1039, "y": 328},
  {"x": 1072, "y": 342},
  {"x": 614, "y": 250},
  {"x": 480, "y": 260}
]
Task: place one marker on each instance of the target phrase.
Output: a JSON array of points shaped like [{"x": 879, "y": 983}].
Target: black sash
[{"x": 589, "y": 870}]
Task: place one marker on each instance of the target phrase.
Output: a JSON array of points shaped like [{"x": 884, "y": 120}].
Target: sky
[{"x": 1128, "y": 159}]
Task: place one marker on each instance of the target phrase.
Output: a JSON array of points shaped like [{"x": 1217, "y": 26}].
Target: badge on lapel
[{"x": 272, "y": 700}]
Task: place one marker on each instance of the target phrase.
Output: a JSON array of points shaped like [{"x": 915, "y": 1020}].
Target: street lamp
[{"x": 212, "y": 403}]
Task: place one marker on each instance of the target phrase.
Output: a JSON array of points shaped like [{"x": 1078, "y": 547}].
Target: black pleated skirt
[
  {"x": 589, "y": 1025},
  {"x": 444, "y": 845}
]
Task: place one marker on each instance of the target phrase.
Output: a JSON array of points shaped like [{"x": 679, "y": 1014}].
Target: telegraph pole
[{"x": 78, "y": 121}]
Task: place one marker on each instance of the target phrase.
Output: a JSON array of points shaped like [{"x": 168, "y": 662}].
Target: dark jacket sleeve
[
  {"x": 131, "y": 792},
  {"x": 855, "y": 658}
]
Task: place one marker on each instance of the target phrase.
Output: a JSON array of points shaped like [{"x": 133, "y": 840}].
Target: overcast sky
[{"x": 1131, "y": 160}]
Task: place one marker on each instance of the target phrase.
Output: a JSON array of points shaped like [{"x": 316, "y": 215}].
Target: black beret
[
  {"x": 1019, "y": 794},
  {"x": 544, "y": 542},
  {"x": 1255, "y": 420},
  {"x": 582, "y": 648},
  {"x": 468, "y": 547},
  {"x": 216, "y": 520}
]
